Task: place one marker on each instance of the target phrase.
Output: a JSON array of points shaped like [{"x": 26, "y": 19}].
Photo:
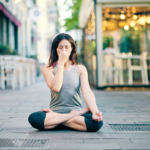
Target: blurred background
[{"x": 112, "y": 38}]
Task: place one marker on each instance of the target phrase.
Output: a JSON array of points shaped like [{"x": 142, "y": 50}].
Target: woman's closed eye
[{"x": 62, "y": 47}]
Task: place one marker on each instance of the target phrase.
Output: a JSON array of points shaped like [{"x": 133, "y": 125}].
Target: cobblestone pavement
[{"x": 118, "y": 107}]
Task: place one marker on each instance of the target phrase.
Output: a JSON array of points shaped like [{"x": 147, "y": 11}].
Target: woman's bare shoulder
[
  {"x": 80, "y": 67},
  {"x": 47, "y": 68}
]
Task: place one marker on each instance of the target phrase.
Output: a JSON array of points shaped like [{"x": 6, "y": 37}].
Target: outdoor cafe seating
[
  {"x": 16, "y": 71},
  {"x": 113, "y": 67}
]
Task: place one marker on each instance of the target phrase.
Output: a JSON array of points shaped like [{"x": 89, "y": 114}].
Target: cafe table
[{"x": 142, "y": 67}]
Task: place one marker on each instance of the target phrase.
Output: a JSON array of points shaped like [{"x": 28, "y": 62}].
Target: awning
[
  {"x": 85, "y": 10},
  {"x": 9, "y": 15}
]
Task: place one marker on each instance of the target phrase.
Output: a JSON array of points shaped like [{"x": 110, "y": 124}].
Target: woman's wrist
[
  {"x": 60, "y": 63},
  {"x": 94, "y": 111}
]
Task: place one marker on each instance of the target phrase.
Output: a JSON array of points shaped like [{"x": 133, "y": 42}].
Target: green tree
[{"x": 72, "y": 23}]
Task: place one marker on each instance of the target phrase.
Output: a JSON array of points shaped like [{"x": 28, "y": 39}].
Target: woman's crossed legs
[{"x": 78, "y": 120}]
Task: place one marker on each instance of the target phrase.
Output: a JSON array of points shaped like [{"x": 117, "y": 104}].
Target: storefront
[
  {"x": 116, "y": 42},
  {"x": 8, "y": 28}
]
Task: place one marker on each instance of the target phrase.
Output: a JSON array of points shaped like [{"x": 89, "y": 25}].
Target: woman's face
[{"x": 64, "y": 45}]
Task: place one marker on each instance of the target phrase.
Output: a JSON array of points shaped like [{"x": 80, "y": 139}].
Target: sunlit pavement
[{"x": 118, "y": 107}]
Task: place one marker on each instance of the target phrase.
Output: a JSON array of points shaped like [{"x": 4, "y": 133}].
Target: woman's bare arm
[
  {"x": 54, "y": 82},
  {"x": 88, "y": 95}
]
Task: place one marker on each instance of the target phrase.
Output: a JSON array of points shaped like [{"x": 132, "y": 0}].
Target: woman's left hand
[
  {"x": 47, "y": 110},
  {"x": 97, "y": 116}
]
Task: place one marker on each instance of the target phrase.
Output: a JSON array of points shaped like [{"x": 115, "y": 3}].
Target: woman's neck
[{"x": 67, "y": 63}]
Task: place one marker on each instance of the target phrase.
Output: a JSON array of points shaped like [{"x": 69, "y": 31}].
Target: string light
[
  {"x": 135, "y": 17},
  {"x": 113, "y": 16},
  {"x": 126, "y": 27},
  {"x": 122, "y": 16},
  {"x": 132, "y": 24},
  {"x": 104, "y": 28},
  {"x": 105, "y": 22}
]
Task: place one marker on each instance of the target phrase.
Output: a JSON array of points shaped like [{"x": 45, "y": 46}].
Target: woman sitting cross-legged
[{"x": 65, "y": 77}]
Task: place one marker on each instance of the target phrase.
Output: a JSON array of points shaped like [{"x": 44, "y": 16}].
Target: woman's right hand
[{"x": 63, "y": 57}]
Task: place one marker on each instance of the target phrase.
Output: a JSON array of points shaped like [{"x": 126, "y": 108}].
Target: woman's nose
[{"x": 63, "y": 49}]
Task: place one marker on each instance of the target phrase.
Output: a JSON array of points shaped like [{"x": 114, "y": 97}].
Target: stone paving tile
[
  {"x": 23, "y": 149},
  {"x": 1, "y": 122},
  {"x": 139, "y": 132},
  {"x": 13, "y": 135},
  {"x": 24, "y": 124},
  {"x": 144, "y": 116},
  {"x": 107, "y": 140},
  {"x": 136, "y": 119},
  {"x": 142, "y": 122},
  {"x": 67, "y": 141},
  {"x": 16, "y": 131},
  {"x": 22, "y": 115},
  {"x": 85, "y": 146},
  {"x": 66, "y": 134},
  {"x": 129, "y": 135},
  {"x": 141, "y": 140},
  {"x": 107, "y": 129},
  {"x": 14, "y": 120},
  {"x": 117, "y": 122},
  {"x": 6, "y": 115},
  {"x": 135, "y": 146}
]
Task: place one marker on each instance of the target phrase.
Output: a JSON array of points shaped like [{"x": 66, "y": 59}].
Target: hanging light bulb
[
  {"x": 134, "y": 16},
  {"x": 122, "y": 16},
  {"x": 105, "y": 22},
  {"x": 132, "y": 24},
  {"x": 104, "y": 28},
  {"x": 113, "y": 16},
  {"x": 126, "y": 27}
]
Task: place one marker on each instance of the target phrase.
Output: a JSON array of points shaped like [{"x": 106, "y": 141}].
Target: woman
[{"x": 64, "y": 76}]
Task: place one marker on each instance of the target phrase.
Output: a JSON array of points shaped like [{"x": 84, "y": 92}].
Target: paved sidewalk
[{"x": 118, "y": 107}]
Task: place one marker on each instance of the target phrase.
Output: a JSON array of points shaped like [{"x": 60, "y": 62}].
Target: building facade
[
  {"x": 47, "y": 28},
  {"x": 17, "y": 30},
  {"x": 116, "y": 42}
]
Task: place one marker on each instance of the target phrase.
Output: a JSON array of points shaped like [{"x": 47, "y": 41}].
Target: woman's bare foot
[
  {"x": 47, "y": 110},
  {"x": 81, "y": 112}
]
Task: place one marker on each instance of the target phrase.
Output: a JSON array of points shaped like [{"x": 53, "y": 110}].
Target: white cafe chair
[
  {"x": 142, "y": 67},
  {"x": 108, "y": 69},
  {"x": 9, "y": 71}
]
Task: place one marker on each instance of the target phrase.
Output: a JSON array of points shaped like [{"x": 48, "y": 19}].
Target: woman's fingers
[
  {"x": 63, "y": 56},
  {"x": 97, "y": 116}
]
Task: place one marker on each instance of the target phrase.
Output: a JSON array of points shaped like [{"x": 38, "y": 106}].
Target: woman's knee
[
  {"x": 36, "y": 120},
  {"x": 94, "y": 126},
  {"x": 31, "y": 118}
]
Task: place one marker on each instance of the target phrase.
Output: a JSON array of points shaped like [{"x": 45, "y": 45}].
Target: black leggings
[{"x": 36, "y": 120}]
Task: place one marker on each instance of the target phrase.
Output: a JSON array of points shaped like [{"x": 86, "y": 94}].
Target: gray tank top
[{"x": 69, "y": 96}]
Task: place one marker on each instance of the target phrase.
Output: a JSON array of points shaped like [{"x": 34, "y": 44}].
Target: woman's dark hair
[{"x": 53, "y": 52}]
